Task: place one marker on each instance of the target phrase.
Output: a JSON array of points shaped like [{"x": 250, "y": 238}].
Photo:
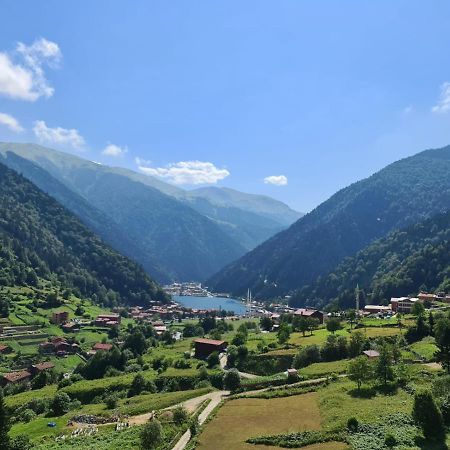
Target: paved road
[
  {"x": 216, "y": 398},
  {"x": 223, "y": 358}
]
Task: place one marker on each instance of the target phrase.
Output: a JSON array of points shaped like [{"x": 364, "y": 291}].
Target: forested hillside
[
  {"x": 405, "y": 262},
  {"x": 403, "y": 193},
  {"x": 167, "y": 235},
  {"x": 40, "y": 239}
]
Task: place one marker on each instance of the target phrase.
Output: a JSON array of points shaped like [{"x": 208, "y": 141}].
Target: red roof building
[
  {"x": 313, "y": 313},
  {"x": 41, "y": 367},
  {"x": 102, "y": 347},
  {"x": 60, "y": 317},
  {"x": 21, "y": 376},
  {"x": 204, "y": 347},
  {"x": 4, "y": 348}
]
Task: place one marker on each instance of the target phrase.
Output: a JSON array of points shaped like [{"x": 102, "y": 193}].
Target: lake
[{"x": 228, "y": 304}]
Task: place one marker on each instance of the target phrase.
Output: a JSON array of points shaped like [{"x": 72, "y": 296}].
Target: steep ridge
[
  {"x": 401, "y": 194},
  {"x": 185, "y": 244},
  {"x": 40, "y": 239},
  {"x": 402, "y": 263}
]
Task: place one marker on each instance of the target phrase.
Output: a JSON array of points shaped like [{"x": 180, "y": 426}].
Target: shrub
[
  {"x": 151, "y": 435},
  {"x": 60, "y": 404},
  {"x": 111, "y": 401},
  {"x": 352, "y": 424},
  {"x": 390, "y": 441},
  {"x": 180, "y": 415},
  {"x": 232, "y": 380}
]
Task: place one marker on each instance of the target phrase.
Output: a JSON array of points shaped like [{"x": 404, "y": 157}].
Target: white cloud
[
  {"x": 277, "y": 180},
  {"x": 58, "y": 135},
  {"x": 187, "y": 172},
  {"x": 114, "y": 150},
  {"x": 142, "y": 162},
  {"x": 10, "y": 122},
  {"x": 443, "y": 105},
  {"x": 25, "y": 79}
]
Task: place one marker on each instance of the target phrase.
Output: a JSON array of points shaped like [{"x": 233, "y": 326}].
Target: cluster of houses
[
  {"x": 404, "y": 305},
  {"x": 25, "y": 376}
]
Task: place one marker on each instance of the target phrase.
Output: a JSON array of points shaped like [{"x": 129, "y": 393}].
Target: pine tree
[
  {"x": 427, "y": 415},
  {"x": 4, "y": 424}
]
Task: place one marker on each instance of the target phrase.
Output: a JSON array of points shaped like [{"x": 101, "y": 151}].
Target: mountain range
[
  {"x": 174, "y": 234},
  {"x": 404, "y": 193},
  {"x": 40, "y": 240}
]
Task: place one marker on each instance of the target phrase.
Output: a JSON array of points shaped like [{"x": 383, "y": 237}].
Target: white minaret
[{"x": 357, "y": 299}]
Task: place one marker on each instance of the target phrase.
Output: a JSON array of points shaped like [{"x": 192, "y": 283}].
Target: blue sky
[{"x": 317, "y": 94}]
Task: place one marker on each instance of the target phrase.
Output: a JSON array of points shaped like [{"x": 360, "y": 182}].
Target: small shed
[{"x": 371, "y": 354}]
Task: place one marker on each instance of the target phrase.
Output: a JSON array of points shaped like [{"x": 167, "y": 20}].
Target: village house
[
  {"x": 70, "y": 327},
  {"x": 312, "y": 313},
  {"x": 204, "y": 347},
  {"x": 377, "y": 309},
  {"x": 21, "y": 376},
  {"x": 4, "y": 349},
  {"x": 60, "y": 317},
  {"x": 107, "y": 320},
  {"x": 424, "y": 296},
  {"x": 59, "y": 346},
  {"x": 102, "y": 347},
  {"x": 403, "y": 304},
  {"x": 35, "y": 369}
]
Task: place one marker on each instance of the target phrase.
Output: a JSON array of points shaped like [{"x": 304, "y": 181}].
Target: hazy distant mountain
[
  {"x": 250, "y": 219},
  {"x": 179, "y": 241},
  {"x": 403, "y": 193},
  {"x": 40, "y": 239}
]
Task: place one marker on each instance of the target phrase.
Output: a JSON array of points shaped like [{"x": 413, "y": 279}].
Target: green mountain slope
[
  {"x": 402, "y": 263},
  {"x": 40, "y": 238},
  {"x": 403, "y": 193},
  {"x": 96, "y": 220},
  {"x": 185, "y": 244}
]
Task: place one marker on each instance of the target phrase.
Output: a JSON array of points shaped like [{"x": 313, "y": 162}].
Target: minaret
[{"x": 357, "y": 299}]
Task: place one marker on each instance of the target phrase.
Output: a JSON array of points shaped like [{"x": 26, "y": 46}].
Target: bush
[
  {"x": 60, "y": 404},
  {"x": 352, "y": 425},
  {"x": 111, "y": 401},
  {"x": 213, "y": 360},
  {"x": 390, "y": 441},
  {"x": 180, "y": 415},
  {"x": 232, "y": 380},
  {"x": 27, "y": 415},
  {"x": 151, "y": 435}
]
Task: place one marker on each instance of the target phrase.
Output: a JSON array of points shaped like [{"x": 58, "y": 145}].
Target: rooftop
[
  {"x": 12, "y": 377},
  {"x": 209, "y": 341},
  {"x": 43, "y": 366}
]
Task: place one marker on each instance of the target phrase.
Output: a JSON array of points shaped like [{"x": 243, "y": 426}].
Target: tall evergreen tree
[{"x": 4, "y": 424}]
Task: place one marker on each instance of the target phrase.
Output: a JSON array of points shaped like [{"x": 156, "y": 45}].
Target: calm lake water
[{"x": 228, "y": 304}]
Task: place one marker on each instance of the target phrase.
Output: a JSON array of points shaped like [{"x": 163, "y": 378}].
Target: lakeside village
[
  {"x": 123, "y": 366},
  {"x": 161, "y": 317}
]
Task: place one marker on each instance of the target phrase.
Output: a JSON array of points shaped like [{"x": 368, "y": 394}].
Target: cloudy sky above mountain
[{"x": 289, "y": 99}]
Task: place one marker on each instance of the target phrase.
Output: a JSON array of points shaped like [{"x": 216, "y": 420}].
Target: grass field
[
  {"x": 325, "y": 368},
  {"x": 426, "y": 348},
  {"x": 243, "y": 418},
  {"x": 338, "y": 403}
]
